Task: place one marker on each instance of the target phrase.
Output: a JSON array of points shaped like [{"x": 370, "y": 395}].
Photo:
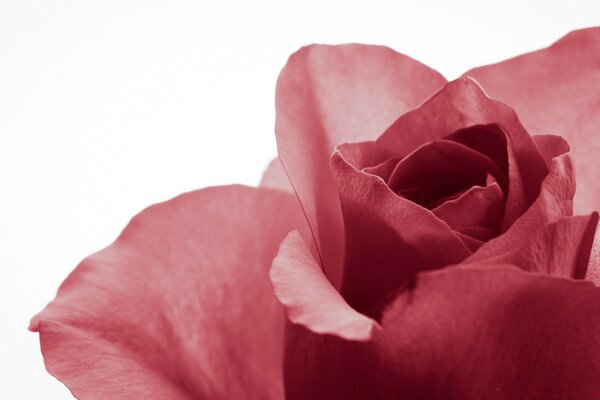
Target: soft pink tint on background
[{"x": 181, "y": 306}]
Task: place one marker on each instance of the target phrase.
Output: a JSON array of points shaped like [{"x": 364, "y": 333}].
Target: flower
[{"x": 433, "y": 252}]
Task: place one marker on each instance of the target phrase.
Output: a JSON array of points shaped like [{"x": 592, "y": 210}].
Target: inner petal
[
  {"x": 489, "y": 140},
  {"x": 440, "y": 169},
  {"x": 479, "y": 206}
]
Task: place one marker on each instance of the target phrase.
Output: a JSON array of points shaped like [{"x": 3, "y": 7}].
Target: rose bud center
[{"x": 462, "y": 178}]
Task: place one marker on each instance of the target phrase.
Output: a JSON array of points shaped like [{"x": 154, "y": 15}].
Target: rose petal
[
  {"x": 383, "y": 170},
  {"x": 478, "y": 232},
  {"x": 553, "y": 202},
  {"x": 275, "y": 177},
  {"x": 561, "y": 248},
  {"x": 439, "y": 169},
  {"x": 382, "y": 252},
  {"x": 593, "y": 271},
  {"x": 462, "y": 104},
  {"x": 472, "y": 332},
  {"x": 551, "y": 146},
  {"x": 310, "y": 299},
  {"x": 490, "y": 140},
  {"x": 388, "y": 238},
  {"x": 557, "y": 90},
  {"x": 472, "y": 243},
  {"x": 327, "y": 95},
  {"x": 327, "y": 367},
  {"x": 479, "y": 206},
  {"x": 180, "y": 306},
  {"x": 496, "y": 332}
]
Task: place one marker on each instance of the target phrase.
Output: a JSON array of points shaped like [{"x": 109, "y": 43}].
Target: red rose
[{"x": 441, "y": 259}]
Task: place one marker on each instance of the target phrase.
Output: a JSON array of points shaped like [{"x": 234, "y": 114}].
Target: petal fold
[
  {"x": 554, "y": 201},
  {"x": 479, "y": 206},
  {"x": 310, "y": 299}
]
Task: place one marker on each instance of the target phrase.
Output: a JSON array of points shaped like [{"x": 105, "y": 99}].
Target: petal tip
[
  {"x": 34, "y": 325},
  {"x": 321, "y": 310}
]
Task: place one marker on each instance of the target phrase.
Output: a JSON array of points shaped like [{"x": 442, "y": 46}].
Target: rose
[{"x": 446, "y": 262}]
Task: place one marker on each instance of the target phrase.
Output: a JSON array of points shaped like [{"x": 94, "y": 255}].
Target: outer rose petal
[
  {"x": 476, "y": 332},
  {"x": 562, "y": 248},
  {"x": 496, "y": 333},
  {"x": 557, "y": 90},
  {"x": 180, "y": 306},
  {"x": 275, "y": 177},
  {"x": 310, "y": 299},
  {"x": 328, "y": 95}
]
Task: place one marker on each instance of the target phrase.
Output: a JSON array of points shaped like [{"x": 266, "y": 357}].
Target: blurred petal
[
  {"x": 328, "y": 95},
  {"x": 557, "y": 90},
  {"x": 275, "y": 177},
  {"x": 310, "y": 299},
  {"x": 180, "y": 306},
  {"x": 495, "y": 332}
]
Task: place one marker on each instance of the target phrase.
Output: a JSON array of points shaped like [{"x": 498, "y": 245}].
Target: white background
[{"x": 107, "y": 107}]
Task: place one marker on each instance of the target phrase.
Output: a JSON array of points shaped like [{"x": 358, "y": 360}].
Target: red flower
[{"x": 441, "y": 259}]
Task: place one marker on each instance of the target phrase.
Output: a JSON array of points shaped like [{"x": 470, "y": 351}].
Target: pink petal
[
  {"x": 383, "y": 170},
  {"x": 275, "y": 177},
  {"x": 495, "y": 332},
  {"x": 388, "y": 238},
  {"x": 593, "y": 271},
  {"x": 327, "y": 95},
  {"x": 180, "y": 306},
  {"x": 482, "y": 233},
  {"x": 557, "y": 90},
  {"x": 440, "y": 169},
  {"x": 462, "y": 104},
  {"x": 561, "y": 248},
  {"x": 551, "y": 146},
  {"x": 472, "y": 332},
  {"x": 553, "y": 203},
  {"x": 472, "y": 243},
  {"x": 479, "y": 206},
  {"x": 309, "y": 298}
]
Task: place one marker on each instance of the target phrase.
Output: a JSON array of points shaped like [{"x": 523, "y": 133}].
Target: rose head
[{"x": 419, "y": 234}]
